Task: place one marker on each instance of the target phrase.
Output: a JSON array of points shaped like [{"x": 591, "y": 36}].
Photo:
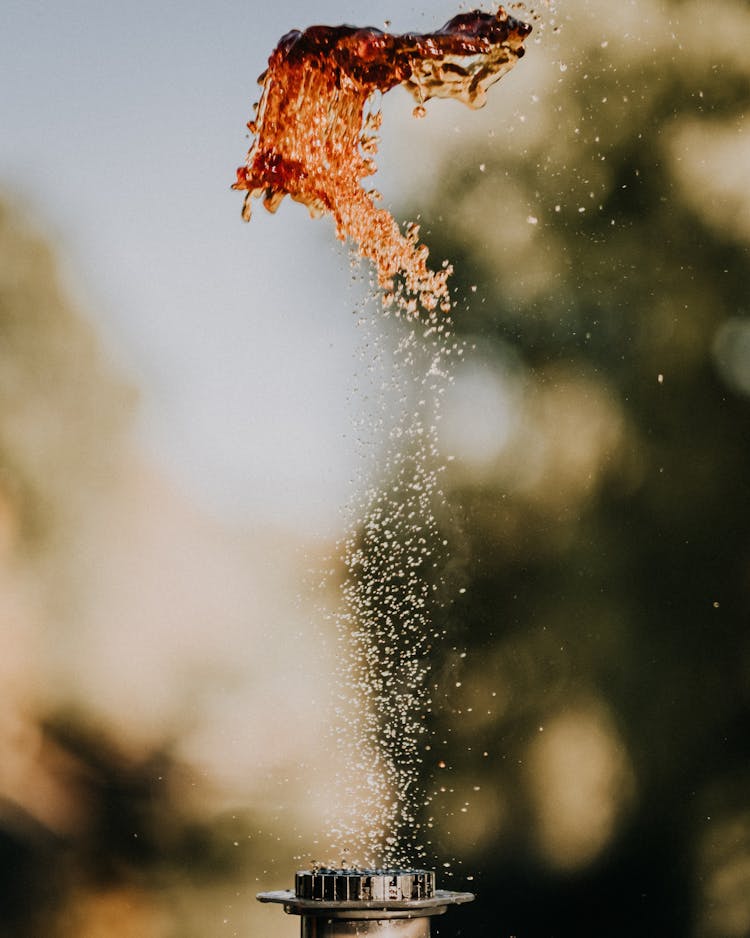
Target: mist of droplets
[
  {"x": 544, "y": 16},
  {"x": 391, "y": 559}
]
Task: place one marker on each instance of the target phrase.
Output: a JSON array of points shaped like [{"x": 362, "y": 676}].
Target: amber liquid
[{"x": 315, "y": 129}]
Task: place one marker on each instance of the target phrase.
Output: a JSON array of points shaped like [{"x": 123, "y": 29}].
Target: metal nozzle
[{"x": 347, "y": 903}]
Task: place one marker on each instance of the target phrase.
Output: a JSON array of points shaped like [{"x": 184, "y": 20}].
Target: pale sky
[{"x": 122, "y": 126}]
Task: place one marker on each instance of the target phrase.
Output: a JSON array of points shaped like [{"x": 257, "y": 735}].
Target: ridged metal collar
[
  {"x": 358, "y": 893},
  {"x": 364, "y": 885}
]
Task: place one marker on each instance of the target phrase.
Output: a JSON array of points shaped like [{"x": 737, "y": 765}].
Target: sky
[
  {"x": 123, "y": 125},
  {"x": 122, "y": 128}
]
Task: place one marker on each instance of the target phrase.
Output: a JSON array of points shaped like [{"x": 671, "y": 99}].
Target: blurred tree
[
  {"x": 595, "y": 740},
  {"x": 62, "y": 409},
  {"x": 98, "y": 835}
]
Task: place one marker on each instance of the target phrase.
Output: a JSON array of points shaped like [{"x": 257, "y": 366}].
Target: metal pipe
[{"x": 378, "y": 903}]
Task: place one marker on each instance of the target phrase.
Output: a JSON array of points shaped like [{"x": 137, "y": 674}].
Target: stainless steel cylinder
[
  {"x": 376, "y": 903},
  {"x": 316, "y": 926}
]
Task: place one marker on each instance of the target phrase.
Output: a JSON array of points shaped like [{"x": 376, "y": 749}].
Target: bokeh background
[{"x": 179, "y": 397}]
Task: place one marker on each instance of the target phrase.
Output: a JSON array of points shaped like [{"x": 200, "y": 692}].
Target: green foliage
[{"x": 602, "y": 246}]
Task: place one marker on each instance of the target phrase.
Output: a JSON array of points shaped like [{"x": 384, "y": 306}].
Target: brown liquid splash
[{"x": 316, "y": 126}]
